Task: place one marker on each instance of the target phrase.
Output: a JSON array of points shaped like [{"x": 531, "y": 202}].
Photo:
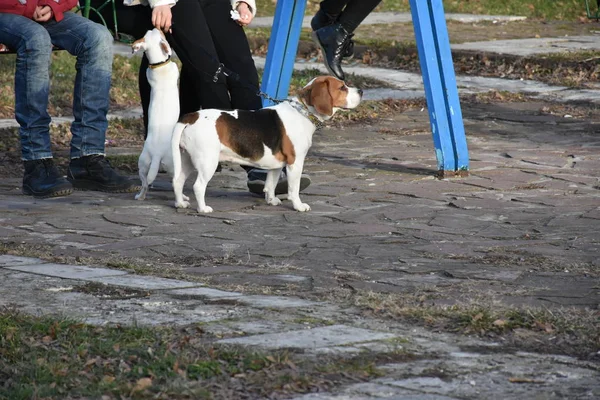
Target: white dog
[
  {"x": 163, "y": 112},
  {"x": 270, "y": 138}
]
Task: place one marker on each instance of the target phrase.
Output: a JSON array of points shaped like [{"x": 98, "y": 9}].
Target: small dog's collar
[
  {"x": 302, "y": 109},
  {"x": 160, "y": 64}
]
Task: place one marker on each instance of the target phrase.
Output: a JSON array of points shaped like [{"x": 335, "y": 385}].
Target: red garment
[{"x": 15, "y": 7}]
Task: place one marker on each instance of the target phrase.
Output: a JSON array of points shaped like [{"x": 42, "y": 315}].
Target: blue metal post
[
  {"x": 283, "y": 46},
  {"x": 437, "y": 68}
]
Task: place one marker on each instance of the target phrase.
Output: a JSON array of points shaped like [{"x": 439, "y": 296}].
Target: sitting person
[
  {"x": 203, "y": 35},
  {"x": 30, "y": 28},
  {"x": 333, "y": 27}
]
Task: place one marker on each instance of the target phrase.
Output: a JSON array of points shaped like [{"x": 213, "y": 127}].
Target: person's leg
[
  {"x": 234, "y": 52},
  {"x": 329, "y": 11},
  {"x": 32, "y": 44},
  {"x": 193, "y": 43},
  {"x": 355, "y": 13},
  {"x": 335, "y": 40},
  {"x": 144, "y": 89},
  {"x": 92, "y": 44}
]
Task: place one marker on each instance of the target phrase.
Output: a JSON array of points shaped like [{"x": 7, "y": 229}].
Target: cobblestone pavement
[{"x": 522, "y": 229}]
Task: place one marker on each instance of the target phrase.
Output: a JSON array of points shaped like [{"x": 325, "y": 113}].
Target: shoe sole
[
  {"x": 56, "y": 193},
  {"x": 258, "y": 186},
  {"x": 94, "y": 186}
]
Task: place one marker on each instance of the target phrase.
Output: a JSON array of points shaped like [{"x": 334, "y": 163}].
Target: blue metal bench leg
[
  {"x": 437, "y": 68},
  {"x": 283, "y": 46}
]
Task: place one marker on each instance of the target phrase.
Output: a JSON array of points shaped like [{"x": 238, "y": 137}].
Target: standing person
[
  {"x": 333, "y": 27},
  {"x": 203, "y": 35},
  {"x": 31, "y": 28}
]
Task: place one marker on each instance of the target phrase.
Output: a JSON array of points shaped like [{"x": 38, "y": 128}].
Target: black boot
[
  {"x": 95, "y": 173},
  {"x": 41, "y": 180},
  {"x": 333, "y": 40},
  {"x": 322, "y": 19}
]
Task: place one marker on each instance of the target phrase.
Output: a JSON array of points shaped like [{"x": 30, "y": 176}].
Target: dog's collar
[
  {"x": 303, "y": 109},
  {"x": 160, "y": 64}
]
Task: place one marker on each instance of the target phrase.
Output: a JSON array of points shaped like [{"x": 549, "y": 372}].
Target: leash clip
[{"x": 219, "y": 70}]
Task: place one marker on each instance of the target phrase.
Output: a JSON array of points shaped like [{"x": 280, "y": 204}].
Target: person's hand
[
  {"x": 245, "y": 14},
  {"x": 162, "y": 17},
  {"x": 42, "y": 14}
]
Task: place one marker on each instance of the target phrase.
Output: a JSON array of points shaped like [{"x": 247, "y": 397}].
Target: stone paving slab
[
  {"x": 68, "y": 271},
  {"x": 276, "y": 302},
  {"x": 143, "y": 282},
  {"x": 316, "y": 338},
  {"x": 533, "y": 46},
  {"x": 13, "y": 261},
  {"x": 205, "y": 293}
]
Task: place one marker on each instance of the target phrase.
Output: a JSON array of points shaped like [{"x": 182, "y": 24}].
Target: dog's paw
[
  {"x": 185, "y": 197},
  {"x": 183, "y": 204},
  {"x": 140, "y": 196},
  {"x": 302, "y": 207},
  {"x": 274, "y": 201},
  {"x": 205, "y": 209}
]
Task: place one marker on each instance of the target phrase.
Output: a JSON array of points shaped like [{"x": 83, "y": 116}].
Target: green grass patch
[{"x": 51, "y": 358}]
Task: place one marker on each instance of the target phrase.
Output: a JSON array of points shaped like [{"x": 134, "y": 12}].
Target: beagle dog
[
  {"x": 270, "y": 138},
  {"x": 163, "y": 111}
]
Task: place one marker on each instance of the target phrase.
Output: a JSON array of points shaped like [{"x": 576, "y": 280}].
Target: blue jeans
[{"x": 91, "y": 43}]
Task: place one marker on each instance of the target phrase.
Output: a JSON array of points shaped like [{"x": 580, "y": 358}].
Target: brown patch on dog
[
  {"x": 164, "y": 46},
  {"x": 137, "y": 42},
  {"x": 325, "y": 93},
  {"x": 251, "y": 131},
  {"x": 189, "y": 118},
  {"x": 288, "y": 152}
]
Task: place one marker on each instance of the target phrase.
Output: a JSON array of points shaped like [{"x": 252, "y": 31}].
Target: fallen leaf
[
  {"x": 89, "y": 362},
  {"x": 478, "y": 317},
  {"x": 142, "y": 384},
  {"x": 499, "y": 322}
]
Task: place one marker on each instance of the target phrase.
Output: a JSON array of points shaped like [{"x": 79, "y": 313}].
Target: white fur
[
  {"x": 200, "y": 141},
  {"x": 163, "y": 111}
]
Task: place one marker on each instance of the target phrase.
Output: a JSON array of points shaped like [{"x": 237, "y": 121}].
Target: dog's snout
[{"x": 360, "y": 92}]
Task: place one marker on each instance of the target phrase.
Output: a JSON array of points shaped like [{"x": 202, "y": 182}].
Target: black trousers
[
  {"x": 351, "y": 12},
  {"x": 203, "y": 36}
]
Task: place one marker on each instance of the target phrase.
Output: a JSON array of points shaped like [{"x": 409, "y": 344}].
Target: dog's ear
[
  {"x": 138, "y": 45},
  {"x": 164, "y": 45},
  {"x": 320, "y": 98}
]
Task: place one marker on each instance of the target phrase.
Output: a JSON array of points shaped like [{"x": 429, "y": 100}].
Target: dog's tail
[{"x": 175, "y": 140}]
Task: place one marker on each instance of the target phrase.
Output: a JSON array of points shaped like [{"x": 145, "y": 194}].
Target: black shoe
[
  {"x": 333, "y": 40},
  {"x": 257, "y": 177},
  {"x": 41, "y": 180},
  {"x": 95, "y": 173},
  {"x": 322, "y": 19}
]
